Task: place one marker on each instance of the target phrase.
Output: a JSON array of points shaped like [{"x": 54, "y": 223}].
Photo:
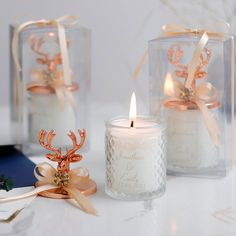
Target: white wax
[
  {"x": 189, "y": 144},
  {"x": 135, "y": 157},
  {"x": 45, "y": 113}
]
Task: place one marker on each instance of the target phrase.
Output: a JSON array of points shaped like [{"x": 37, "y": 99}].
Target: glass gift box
[
  {"x": 199, "y": 116},
  {"x": 40, "y": 96}
]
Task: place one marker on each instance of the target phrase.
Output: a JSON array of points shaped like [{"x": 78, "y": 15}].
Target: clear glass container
[
  {"x": 192, "y": 147},
  {"x": 41, "y": 99},
  {"x": 135, "y": 158}
]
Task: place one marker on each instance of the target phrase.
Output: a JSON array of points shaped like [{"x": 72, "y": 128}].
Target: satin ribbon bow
[
  {"x": 67, "y": 78},
  {"x": 48, "y": 179}
]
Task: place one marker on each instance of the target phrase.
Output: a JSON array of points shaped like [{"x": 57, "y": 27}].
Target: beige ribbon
[
  {"x": 45, "y": 174},
  {"x": 61, "y": 92},
  {"x": 177, "y": 30}
]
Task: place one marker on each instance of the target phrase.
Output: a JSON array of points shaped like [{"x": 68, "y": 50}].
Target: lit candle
[
  {"x": 135, "y": 151},
  {"x": 189, "y": 144}
]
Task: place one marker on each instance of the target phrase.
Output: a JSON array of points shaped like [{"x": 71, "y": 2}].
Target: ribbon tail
[
  {"x": 64, "y": 54},
  {"x": 81, "y": 200},
  {"x": 211, "y": 123},
  {"x": 61, "y": 97},
  {"x": 71, "y": 98},
  {"x": 29, "y": 194},
  {"x": 140, "y": 65},
  {"x": 194, "y": 63}
]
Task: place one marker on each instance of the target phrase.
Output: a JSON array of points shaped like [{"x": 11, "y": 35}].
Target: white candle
[
  {"x": 189, "y": 145},
  {"x": 136, "y": 164},
  {"x": 188, "y": 141},
  {"x": 45, "y": 112}
]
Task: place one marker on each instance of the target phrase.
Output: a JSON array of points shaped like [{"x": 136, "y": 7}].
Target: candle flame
[
  {"x": 132, "y": 110},
  {"x": 51, "y": 34},
  {"x": 169, "y": 85}
]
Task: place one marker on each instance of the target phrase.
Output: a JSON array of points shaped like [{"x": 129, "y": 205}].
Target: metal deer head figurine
[
  {"x": 56, "y": 155},
  {"x": 174, "y": 55}
]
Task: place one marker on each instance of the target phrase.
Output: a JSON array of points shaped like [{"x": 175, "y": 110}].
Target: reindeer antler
[
  {"x": 57, "y": 152},
  {"x": 199, "y": 73},
  {"x": 76, "y": 146},
  {"x": 36, "y": 45},
  {"x": 174, "y": 56}
]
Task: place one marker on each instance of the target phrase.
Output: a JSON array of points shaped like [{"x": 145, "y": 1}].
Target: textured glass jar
[
  {"x": 135, "y": 158},
  {"x": 41, "y": 99},
  {"x": 191, "y": 147}
]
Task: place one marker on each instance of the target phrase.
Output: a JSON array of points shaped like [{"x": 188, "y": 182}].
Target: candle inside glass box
[
  {"x": 52, "y": 102},
  {"x": 191, "y": 85},
  {"x": 54, "y": 82},
  {"x": 186, "y": 125},
  {"x": 135, "y": 151}
]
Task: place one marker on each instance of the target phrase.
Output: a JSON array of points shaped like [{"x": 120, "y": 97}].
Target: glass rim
[{"x": 157, "y": 123}]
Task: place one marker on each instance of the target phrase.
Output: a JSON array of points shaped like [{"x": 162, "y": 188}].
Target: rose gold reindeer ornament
[
  {"x": 63, "y": 174},
  {"x": 70, "y": 156}
]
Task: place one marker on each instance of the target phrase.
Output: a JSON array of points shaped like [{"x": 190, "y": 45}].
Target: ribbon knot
[
  {"x": 176, "y": 29},
  {"x": 61, "y": 179},
  {"x": 187, "y": 94},
  {"x": 52, "y": 22}
]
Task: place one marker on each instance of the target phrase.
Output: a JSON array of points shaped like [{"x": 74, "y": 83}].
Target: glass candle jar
[{"x": 135, "y": 158}]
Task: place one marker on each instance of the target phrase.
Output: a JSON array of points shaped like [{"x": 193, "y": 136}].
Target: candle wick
[{"x": 132, "y": 124}]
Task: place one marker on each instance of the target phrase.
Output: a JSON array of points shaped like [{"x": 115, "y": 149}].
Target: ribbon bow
[{"x": 50, "y": 178}]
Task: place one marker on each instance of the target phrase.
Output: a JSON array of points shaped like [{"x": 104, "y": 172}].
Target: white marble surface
[{"x": 187, "y": 208}]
